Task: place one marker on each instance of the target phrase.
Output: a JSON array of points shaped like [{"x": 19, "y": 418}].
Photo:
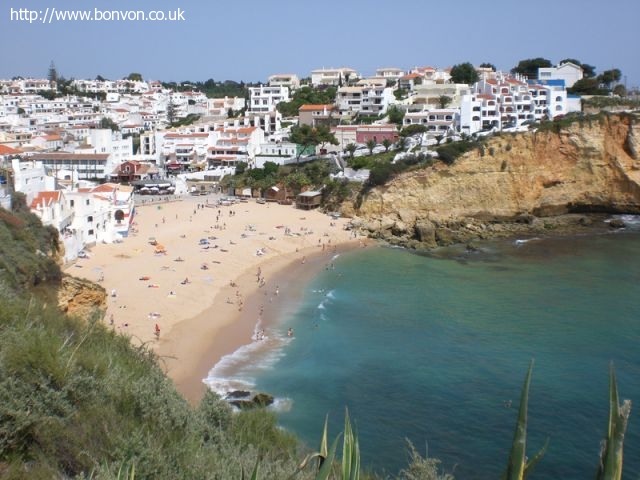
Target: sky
[{"x": 248, "y": 40}]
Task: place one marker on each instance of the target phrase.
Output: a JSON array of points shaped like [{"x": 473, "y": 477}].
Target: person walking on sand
[{"x": 157, "y": 331}]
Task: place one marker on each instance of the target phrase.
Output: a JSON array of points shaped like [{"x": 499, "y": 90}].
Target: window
[
  {"x": 87, "y": 202},
  {"x": 558, "y": 99},
  {"x": 71, "y": 203},
  {"x": 90, "y": 218},
  {"x": 90, "y": 232}
]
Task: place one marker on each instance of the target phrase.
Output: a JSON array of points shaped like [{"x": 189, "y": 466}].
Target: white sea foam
[
  {"x": 282, "y": 404},
  {"x": 520, "y": 242},
  {"x": 331, "y": 295},
  {"x": 237, "y": 371}
]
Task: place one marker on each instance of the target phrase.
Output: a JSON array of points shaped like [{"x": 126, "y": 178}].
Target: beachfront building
[
  {"x": 333, "y": 76},
  {"x": 102, "y": 213},
  {"x": 233, "y": 145},
  {"x": 315, "y": 114},
  {"x": 181, "y": 151},
  {"x": 281, "y": 153},
  {"x": 30, "y": 177},
  {"x": 289, "y": 80},
  {"x": 507, "y": 102},
  {"x": 133, "y": 170},
  {"x": 265, "y": 98},
  {"x": 569, "y": 72},
  {"x": 90, "y": 166}
]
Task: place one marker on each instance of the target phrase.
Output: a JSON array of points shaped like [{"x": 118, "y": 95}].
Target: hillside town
[{"x": 83, "y": 160}]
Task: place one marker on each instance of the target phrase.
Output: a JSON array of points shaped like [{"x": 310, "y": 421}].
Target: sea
[{"x": 432, "y": 350}]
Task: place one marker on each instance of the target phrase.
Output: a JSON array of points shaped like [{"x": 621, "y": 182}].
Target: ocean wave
[
  {"x": 237, "y": 371},
  {"x": 282, "y": 404},
  {"x": 331, "y": 295},
  {"x": 522, "y": 241}
]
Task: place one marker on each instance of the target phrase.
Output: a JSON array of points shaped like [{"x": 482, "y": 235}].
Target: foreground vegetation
[{"x": 78, "y": 400}]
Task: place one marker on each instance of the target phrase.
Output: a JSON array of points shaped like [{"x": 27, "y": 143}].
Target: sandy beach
[{"x": 206, "y": 275}]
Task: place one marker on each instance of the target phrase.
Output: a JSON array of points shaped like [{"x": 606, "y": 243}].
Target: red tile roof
[{"x": 44, "y": 199}]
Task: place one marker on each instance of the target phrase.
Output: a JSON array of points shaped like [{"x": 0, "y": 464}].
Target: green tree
[
  {"x": 412, "y": 130},
  {"x": 401, "y": 144},
  {"x": 108, "y": 123},
  {"x": 53, "y": 73},
  {"x": 371, "y": 144},
  {"x": 529, "y": 67},
  {"x": 171, "y": 112},
  {"x": 325, "y": 136},
  {"x": 488, "y": 65},
  {"x": 620, "y": 90},
  {"x": 351, "y": 149},
  {"x": 307, "y": 95},
  {"x": 304, "y": 136},
  {"x": 608, "y": 77},
  {"x": 444, "y": 101},
  {"x": 134, "y": 77},
  {"x": 386, "y": 143},
  {"x": 464, "y": 73},
  {"x": 395, "y": 115},
  {"x": 587, "y": 86},
  {"x": 100, "y": 78},
  {"x": 270, "y": 168}
]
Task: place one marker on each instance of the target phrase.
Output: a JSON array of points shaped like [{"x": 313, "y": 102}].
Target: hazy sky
[{"x": 252, "y": 39}]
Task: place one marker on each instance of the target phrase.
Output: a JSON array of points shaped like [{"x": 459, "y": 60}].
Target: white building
[
  {"x": 30, "y": 177},
  {"x": 281, "y": 153},
  {"x": 365, "y": 99},
  {"x": 333, "y": 76},
  {"x": 264, "y": 98},
  {"x": 438, "y": 121},
  {"x": 289, "y": 80},
  {"x": 569, "y": 72},
  {"x": 390, "y": 73}
]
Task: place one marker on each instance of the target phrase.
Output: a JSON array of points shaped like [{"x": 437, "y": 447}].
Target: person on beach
[
  {"x": 290, "y": 332},
  {"x": 157, "y": 331}
]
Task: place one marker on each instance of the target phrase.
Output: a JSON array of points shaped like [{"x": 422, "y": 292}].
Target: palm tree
[
  {"x": 386, "y": 143},
  {"x": 351, "y": 148},
  {"x": 371, "y": 144}
]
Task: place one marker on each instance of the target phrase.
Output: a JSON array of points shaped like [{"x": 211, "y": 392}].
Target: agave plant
[
  {"x": 610, "y": 467},
  {"x": 350, "y": 468},
  {"x": 519, "y": 467}
]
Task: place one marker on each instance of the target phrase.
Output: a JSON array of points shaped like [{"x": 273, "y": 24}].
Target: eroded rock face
[
  {"x": 517, "y": 183},
  {"x": 81, "y": 298}
]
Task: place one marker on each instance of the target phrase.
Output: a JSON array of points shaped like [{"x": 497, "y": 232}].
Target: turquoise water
[{"x": 432, "y": 348}]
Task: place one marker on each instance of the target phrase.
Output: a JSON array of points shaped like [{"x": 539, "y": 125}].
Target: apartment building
[
  {"x": 333, "y": 76},
  {"x": 289, "y": 80},
  {"x": 235, "y": 144},
  {"x": 264, "y": 98},
  {"x": 315, "y": 114},
  {"x": 368, "y": 99}
]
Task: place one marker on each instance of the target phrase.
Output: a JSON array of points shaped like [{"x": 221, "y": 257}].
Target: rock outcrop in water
[{"x": 533, "y": 182}]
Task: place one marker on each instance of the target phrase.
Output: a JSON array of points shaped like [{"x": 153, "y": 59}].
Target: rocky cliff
[
  {"x": 81, "y": 298},
  {"x": 514, "y": 183}
]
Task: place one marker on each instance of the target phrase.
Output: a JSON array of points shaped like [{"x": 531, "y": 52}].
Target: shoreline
[
  {"x": 285, "y": 273},
  {"x": 185, "y": 287}
]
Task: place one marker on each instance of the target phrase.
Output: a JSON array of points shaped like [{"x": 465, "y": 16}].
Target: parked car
[{"x": 83, "y": 254}]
